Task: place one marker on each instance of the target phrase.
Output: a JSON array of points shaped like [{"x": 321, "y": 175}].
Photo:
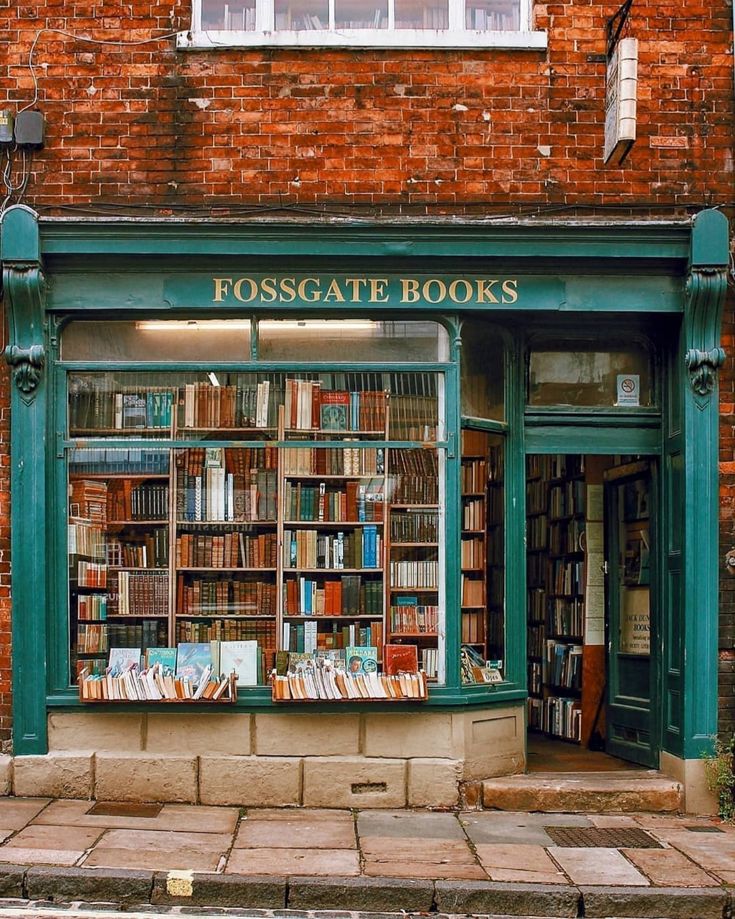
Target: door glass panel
[{"x": 483, "y": 366}]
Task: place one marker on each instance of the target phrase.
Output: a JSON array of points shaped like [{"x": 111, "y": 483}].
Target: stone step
[{"x": 595, "y": 792}]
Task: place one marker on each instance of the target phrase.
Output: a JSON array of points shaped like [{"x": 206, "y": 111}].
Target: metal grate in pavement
[
  {"x": 602, "y": 837},
  {"x": 116, "y": 809},
  {"x": 704, "y": 829}
]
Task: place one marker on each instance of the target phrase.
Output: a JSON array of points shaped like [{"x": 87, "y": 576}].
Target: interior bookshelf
[
  {"x": 555, "y": 529},
  {"x": 283, "y": 516}
]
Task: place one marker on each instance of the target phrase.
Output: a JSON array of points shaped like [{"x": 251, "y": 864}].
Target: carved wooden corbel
[{"x": 27, "y": 364}]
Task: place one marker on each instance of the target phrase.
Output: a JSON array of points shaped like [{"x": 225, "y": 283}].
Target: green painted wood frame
[{"x": 677, "y": 268}]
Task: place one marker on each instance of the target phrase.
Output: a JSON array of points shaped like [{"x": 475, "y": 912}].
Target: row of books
[
  {"x": 308, "y": 406},
  {"x": 562, "y": 717},
  {"x": 85, "y": 538},
  {"x": 91, "y": 574},
  {"x": 563, "y": 665},
  {"x": 117, "y": 461},
  {"x": 536, "y": 640},
  {"x": 145, "y": 635},
  {"x": 414, "y": 526},
  {"x": 245, "y": 405},
  {"x": 327, "y": 683},
  {"x": 128, "y": 501},
  {"x": 88, "y": 499},
  {"x": 153, "y": 685},
  {"x": 535, "y": 678},
  {"x": 362, "y": 547},
  {"x": 100, "y": 410},
  {"x": 472, "y": 590},
  {"x": 555, "y": 465},
  {"x": 414, "y": 573},
  {"x": 415, "y": 416},
  {"x": 473, "y": 514},
  {"x": 209, "y": 596},
  {"x": 136, "y": 593},
  {"x": 474, "y": 476},
  {"x": 354, "y": 502},
  {"x": 411, "y": 617},
  {"x": 537, "y": 532},
  {"x": 473, "y": 627},
  {"x": 237, "y": 460},
  {"x": 566, "y": 536},
  {"x": 566, "y": 616},
  {"x": 357, "y": 461},
  {"x": 227, "y": 550},
  {"x": 567, "y": 498},
  {"x": 310, "y": 636},
  {"x": 145, "y": 550},
  {"x": 472, "y": 552},
  {"x": 263, "y": 631},
  {"x": 566, "y": 577},
  {"x": 349, "y": 595},
  {"x": 217, "y": 495},
  {"x": 415, "y": 475}
]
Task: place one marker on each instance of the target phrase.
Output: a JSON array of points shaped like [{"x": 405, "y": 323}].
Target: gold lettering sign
[{"x": 366, "y": 290}]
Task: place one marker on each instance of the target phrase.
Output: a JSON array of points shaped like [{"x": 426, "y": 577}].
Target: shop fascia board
[{"x": 608, "y": 241}]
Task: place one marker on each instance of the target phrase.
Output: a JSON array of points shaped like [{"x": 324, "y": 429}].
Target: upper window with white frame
[{"x": 362, "y": 23}]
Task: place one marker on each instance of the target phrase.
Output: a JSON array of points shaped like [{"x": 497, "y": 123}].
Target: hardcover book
[
  {"x": 362, "y": 659},
  {"x": 401, "y": 659},
  {"x": 334, "y": 411}
]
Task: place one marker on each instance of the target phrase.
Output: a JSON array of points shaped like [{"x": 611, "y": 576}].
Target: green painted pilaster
[
  {"x": 24, "y": 292},
  {"x": 705, "y": 295}
]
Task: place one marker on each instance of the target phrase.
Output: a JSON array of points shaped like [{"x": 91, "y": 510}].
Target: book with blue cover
[
  {"x": 166, "y": 657},
  {"x": 362, "y": 659},
  {"x": 192, "y": 659}
]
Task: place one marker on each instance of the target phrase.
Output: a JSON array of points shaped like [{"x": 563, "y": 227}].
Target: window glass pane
[
  {"x": 482, "y": 558},
  {"x": 302, "y": 14},
  {"x": 361, "y": 14},
  {"x": 165, "y": 340},
  {"x": 493, "y": 15},
  {"x": 287, "y": 539},
  {"x": 621, "y": 375},
  {"x": 325, "y": 340},
  {"x": 421, "y": 14},
  {"x": 237, "y": 15},
  {"x": 482, "y": 370}
]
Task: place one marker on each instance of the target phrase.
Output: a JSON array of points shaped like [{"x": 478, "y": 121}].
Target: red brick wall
[{"x": 149, "y": 130}]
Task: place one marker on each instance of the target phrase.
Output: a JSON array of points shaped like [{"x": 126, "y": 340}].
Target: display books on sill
[
  {"x": 154, "y": 684},
  {"x": 326, "y": 682}
]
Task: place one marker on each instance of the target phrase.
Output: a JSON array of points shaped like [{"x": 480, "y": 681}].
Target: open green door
[{"x": 632, "y": 613}]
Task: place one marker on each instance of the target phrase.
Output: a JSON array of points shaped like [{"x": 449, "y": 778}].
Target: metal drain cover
[
  {"x": 704, "y": 829},
  {"x": 116, "y": 809},
  {"x": 602, "y": 837}
]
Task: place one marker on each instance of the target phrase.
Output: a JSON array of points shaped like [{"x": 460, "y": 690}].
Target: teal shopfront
[{"x": 484, "y": 451}]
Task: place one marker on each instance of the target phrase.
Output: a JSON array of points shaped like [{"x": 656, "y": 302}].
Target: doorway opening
[{"x": 591, "y": 612}]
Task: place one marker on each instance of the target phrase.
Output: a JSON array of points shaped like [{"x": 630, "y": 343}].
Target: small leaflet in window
[{"x": 629, "y": 389}]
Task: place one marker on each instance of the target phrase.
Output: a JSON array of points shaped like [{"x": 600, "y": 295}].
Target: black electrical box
[
  {"x": 29, "y": 129},
  {"x": 6, "y": 126}
]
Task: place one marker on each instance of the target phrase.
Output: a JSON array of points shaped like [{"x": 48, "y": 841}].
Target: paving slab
[
  {"x": 285, "y": 862},
  {"x": 159, "y": 849},
  {"x": 54, "y": 837},
  {"x": 597, "y": 866},
  {"x": 409, "y": 823},
  {"x": 528, "y": 864},
  {"x": 293, "y": 813},
  {"x": 519, "y": 828},
  {"x": 299, "y": 832},
  {"x": 418, "y": 849},
  {"x": 612, "y": 821},
  {"x": 192, "y": 818},
  {"x": 714, "y": 852},
  {"x": 44, "y": 856},
  {"x": 669, "y": 868},
  {"x": 425, "y": 870},
  {"x": 15, "y": 813}
]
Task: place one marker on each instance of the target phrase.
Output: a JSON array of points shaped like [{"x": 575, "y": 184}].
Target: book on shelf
[
  {"x": 355, "y": 502},
  {"x": 414, "y": 526},
  {"x": 358, "y": 548},
  {"x": 123, "y": 410},
  {"x": 334, "y": 461},
  {"x": 226, "y": 550},
  {"x": 88, "y": 500},
  {"x": 213, "y": 596},
  {"x": 349, "y": 595},
  {"x": 153, "y": 684},
  {"x": 213, "y": 484},
  {"x": 122, "y": 659},
  {"x": 310, "y": 636},
  {"x": 414, "y": 573},
  {"x": 139, "y": 593},
  {"x": 92, "y": 638},
  {"x": 148, "y": 633},
  {"x": 409, "y": 616}
]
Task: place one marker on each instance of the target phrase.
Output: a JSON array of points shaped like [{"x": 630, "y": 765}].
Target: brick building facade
[{"x": 136, "y": 128}]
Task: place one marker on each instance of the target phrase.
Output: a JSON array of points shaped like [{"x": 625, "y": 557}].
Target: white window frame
[{"x": 456, "y": 36}]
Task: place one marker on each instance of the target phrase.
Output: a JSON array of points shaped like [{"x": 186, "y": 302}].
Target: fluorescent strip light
[
  {"x": 317, "y": 325},
  {"x": 196, "y": 325}
]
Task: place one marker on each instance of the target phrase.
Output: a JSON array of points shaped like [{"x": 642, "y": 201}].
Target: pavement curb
[
  {"x": 374, "y": 895},
  {"x": 377, "y": 895},
  {"x": 508, "y": 899},
  {"x": 655, "y": 902}
]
